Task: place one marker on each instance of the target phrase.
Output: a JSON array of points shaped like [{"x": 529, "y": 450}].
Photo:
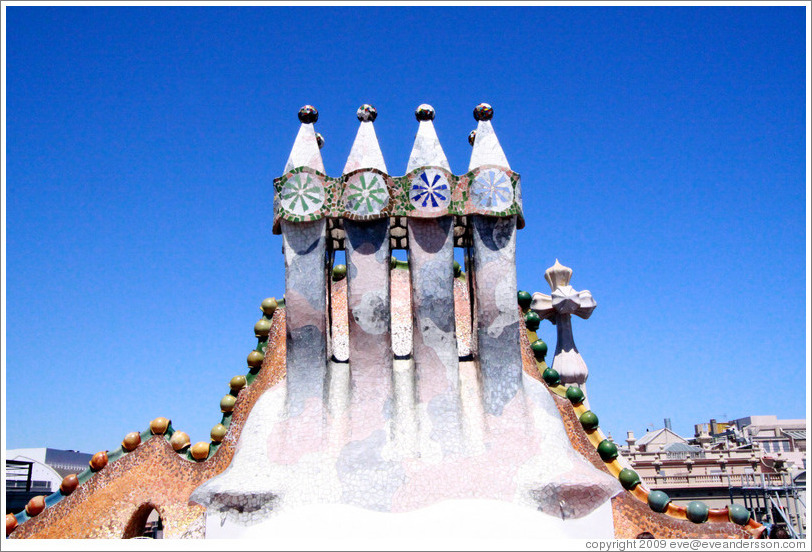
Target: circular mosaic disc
[
  {"x": 430, "y": 191},
  {"x": 491, "y": 190},
  {"x": 366, "y": 193},
  {"x": 302, "y": 194}
]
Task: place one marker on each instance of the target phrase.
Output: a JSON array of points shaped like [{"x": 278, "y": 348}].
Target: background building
[
  {"x": 758, "y": 461},
  {"x": 38, "y": 471},
  {"x": 32, "y": 472}
]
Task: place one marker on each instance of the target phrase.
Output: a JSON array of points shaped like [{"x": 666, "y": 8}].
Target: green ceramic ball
[
  {"x": 738, "y": 514},
  {"x": 539, "y": 349},
  {"x": 457, "y": 270},
  {"x": 237, "y": 383},
  {"x": 628, "y": 479},
  {"x": 524, "y": 300},
  {"x": 697, "y": 511},
  {"x": 227, "y": 403},
  {"x": 269, "y": 306},
  {"x": 218, "y": 433},
  {"x": 658, "y": 501},
  {"x": 255, "y": 359},
  {"x": 532, "y": 321},
  {"x": 607, "y": 450},
  {"x": 551, "y": 377},
  {"x": 589, "y": 420},
  {"x": 339, "y": 272},
  {"x": 575, "y": 395},
  {"x": 262, "y": 328}
]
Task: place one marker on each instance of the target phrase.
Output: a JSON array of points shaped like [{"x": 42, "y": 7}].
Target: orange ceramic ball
[
  {"x": 158, "y": 426},
  {"x": 131, "y": 441},
  {"x": 200, "y": 451},
  {"x": 98, "y": 461},
  {"x": 35, "y": 506},
  {"x": 69, "y": 484},
  {"x": 179, "y": 440}
]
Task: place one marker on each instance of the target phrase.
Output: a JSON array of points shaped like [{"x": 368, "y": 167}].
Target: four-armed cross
[{"x": 559, "y": 308}]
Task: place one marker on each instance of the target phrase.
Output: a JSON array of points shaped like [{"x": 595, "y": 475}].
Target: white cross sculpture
[{"x": 559, "y": 308}]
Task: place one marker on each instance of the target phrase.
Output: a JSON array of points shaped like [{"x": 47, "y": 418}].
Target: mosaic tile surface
[
  {"x": 631, "y": 515},
  {"x": 521, "y": 455},
  {"x": 492, "y": 190},
  {"x": 496, "y": 314},
  {"x": 154, "y": 475},
  {"x": 370, "y": 332},
  {"x": 430, "y": 191},
  {"x": 366, "y": 193},
  {"x": 421, "y": 389},
  {"x": 369, "y": 193},
  {"x": 437, "y": 376},
  {"x": 302, "y": 194},
  {"x": 306, "y": 305}
]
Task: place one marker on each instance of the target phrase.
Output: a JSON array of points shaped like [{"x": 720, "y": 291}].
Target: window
[{"x": 776, "y": 446}]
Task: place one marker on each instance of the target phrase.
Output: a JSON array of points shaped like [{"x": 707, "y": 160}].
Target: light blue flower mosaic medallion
[
  {"x": 519, "y": 194},
  {"x": 302, "y": 194},
  {"x": 366, "y": 194},
  {"x": 430, "y": 191},
  {"x": 492, "y": 190}
]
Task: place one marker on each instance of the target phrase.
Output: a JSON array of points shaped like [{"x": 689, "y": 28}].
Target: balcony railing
[{"x": 715, "y": 480}]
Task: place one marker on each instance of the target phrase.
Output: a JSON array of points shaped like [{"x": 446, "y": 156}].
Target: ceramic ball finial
[
  {"x": 424, "y": 112},
  {"x": 366, "y": 113},
  {"x": 483, "y": 112},
  {"x": 308, "y": 114}
]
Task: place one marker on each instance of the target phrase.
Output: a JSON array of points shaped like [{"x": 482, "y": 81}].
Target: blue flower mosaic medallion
[
  {"x": 302, "y": 194},
  {"x": 492, "y": 190},
  {"x": 366, "y": 194},
  {"x": 430, "y": 191}
]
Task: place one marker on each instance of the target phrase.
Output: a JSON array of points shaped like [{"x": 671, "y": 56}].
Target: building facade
[
  {"x": 37, "y": 471},
  {"x": 759, "y": 461}
]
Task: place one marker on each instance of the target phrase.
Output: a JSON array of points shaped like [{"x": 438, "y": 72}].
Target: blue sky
[{"x": 662, "y": 154}]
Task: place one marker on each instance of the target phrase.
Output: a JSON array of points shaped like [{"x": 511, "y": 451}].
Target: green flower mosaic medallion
[
  {"x": 366, "y": 194},
  {"x": 302, "y": 194}
]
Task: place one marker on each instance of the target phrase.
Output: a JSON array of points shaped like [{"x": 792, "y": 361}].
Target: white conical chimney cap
[
  {"x": 427, "y": 150},
  {"x": 487, "y": 150},
  {"x": 306, "y": 151},
  {"x": 365, "y": 152}
]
